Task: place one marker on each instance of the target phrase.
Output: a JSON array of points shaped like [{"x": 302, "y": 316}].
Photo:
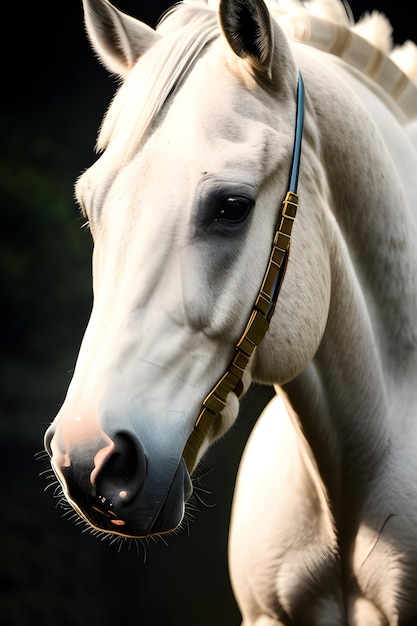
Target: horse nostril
[{"x": 122, "y": 474}]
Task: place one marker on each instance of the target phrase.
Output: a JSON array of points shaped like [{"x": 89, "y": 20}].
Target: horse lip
[{"x": 171, "y": 511}]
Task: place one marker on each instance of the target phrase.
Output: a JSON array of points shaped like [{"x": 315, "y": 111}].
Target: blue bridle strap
[
  {"x": 299, "y": 125},
  {"x": 264, "y": 306},
  {"x": 293, "y": 184}
]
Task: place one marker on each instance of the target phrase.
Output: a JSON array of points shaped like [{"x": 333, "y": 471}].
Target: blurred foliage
[{"x": 45, "y": 274}]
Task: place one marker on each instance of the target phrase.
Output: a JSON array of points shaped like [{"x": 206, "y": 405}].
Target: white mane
[
  {"x": 186, "y": 32},
  {"x": 192, "y": 25}
]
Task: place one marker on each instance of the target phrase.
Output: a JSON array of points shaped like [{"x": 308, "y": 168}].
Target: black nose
[
  {"x": 112, "y": 484},
  {"x": 116, "y": 483}
]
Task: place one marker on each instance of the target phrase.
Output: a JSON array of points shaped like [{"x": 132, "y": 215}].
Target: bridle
[{"x": 264, "y": 306}]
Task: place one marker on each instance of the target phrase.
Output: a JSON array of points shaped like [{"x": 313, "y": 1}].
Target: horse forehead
[
  {"x": 213, "y": 108},
  {"x": 215, "y": 125},
  {"x": 178, "y": 157},
  {"x": 213, "y": 144}
]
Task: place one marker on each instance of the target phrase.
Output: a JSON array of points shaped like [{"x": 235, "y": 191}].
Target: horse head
[{"x": 182, "y": 206}]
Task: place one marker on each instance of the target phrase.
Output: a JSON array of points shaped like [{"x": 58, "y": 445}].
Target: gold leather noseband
[{"x": 263, "y": 308}]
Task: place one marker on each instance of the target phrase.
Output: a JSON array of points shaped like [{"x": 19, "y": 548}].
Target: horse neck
[
  {"x": 341, "y": 396},
  {"x": 368, "y": 354},
  {"x": 373, "y": 213}
]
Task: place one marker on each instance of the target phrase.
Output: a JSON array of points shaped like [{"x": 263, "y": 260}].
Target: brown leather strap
[
  {"x": 264, "y": 306},
  {"x": 255, "y": 330}
]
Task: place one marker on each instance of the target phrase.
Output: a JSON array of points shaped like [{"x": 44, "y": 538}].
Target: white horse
[{"x": 200, "y": 148}]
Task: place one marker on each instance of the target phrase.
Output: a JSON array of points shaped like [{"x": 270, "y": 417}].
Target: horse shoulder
[
  {"x": 282, "y": 542},
  {"x": 385, "y": 539}
]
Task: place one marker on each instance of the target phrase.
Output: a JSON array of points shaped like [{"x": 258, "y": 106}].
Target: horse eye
[{"x": 233, "y": 210}]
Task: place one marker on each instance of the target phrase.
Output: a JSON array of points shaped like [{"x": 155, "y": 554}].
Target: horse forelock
[{"x": 186, "y": 31}]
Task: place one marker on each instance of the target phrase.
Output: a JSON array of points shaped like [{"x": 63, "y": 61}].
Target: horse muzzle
[{"x": 117, "y": 487}]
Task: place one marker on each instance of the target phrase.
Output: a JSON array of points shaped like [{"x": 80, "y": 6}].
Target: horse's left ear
[{"x": 247, "y": 27}]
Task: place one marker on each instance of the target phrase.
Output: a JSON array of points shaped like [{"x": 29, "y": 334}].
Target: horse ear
[
  {"x": 247, "y": 27},
  {"x": 118, "y": 39}
]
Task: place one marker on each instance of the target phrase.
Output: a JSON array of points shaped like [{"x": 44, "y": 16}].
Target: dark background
[{"x": 54, "y": 94}]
